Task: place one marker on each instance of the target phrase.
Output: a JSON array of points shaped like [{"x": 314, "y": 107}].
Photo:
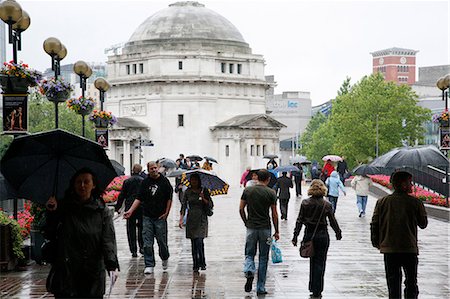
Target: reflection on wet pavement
[{"x": 354, "y": 268}]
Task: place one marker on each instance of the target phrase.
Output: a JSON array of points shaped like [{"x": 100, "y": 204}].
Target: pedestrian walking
[
  {"x": 82, "y": 240},
  {"x": 298, "y": 177},
  {"x": 342, "y": 169},
  {"x": 361, "y": 184},
  {"x": 198, "y": 201},
  {"x": 393, "y": 231},
  {"x": 313, "y": 213},
  {"x": 156, "y": 196},
  {"x": 258, "y": 200},
  {"x": 333, "y": 184},
  {"x": 327, "y": 169},
  {"x": 254, "y": 179},
  {"x": 243, "y": 180},
  {"x": 130, "y": 190},
  {"x": 282, "y": 189}
]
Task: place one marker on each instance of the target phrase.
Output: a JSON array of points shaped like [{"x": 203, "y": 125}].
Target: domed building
[{"x": 187, "y": 80}]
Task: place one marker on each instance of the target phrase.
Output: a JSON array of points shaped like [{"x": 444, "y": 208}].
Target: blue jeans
[
  {"x": 154, "y": 228},
  {"x": 333, "y": 200},
  {"x": 261, "y": 238},
  {"x": 361, "y": 202}
]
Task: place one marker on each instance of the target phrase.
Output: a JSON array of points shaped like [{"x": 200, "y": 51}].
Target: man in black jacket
[{"x": 130, "y": 190}]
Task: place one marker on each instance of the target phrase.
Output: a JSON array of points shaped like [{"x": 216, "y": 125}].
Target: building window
[
  {"x": 258, "y": 150},
  {"x": 264, "y": 150},
  {"x": 181, "y": 120},
  {"x": 134, "y": 68},
  {"x": 252, "y": 150},
  {"x": 141, "y": 68},
  {"x": 180, "y": 65},
  {"x": 227, "y": 150},
  {"x": 239, "y": 68},
  {"x": 231, "y": 68},
  {"x": 128, "y": 69},
  {"x": 223, "y": 67}
]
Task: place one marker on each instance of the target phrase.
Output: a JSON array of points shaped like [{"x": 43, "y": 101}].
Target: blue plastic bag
[{"x": 276, "y": 253}]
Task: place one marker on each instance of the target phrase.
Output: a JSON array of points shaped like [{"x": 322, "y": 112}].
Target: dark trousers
[
  {"x": 284, "y": 202},
  {"x": 198, "y": 253},
  {"x": 318, "y": 261},
  {"x": 298, "y": 185},
  {"x": 393, "y": 264},
  {"x": 133, "y": 223}
]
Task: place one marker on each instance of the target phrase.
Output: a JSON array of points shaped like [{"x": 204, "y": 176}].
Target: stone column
[
  {"x": 112, "y": 150},
  {"x": 126, "y": 156}
]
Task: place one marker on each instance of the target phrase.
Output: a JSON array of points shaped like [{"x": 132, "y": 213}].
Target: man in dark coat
[
  {"x": 394, "y": 232},
  {"x": 342, "y": 169},
  {"x": 298, "y": 177},
  {"x": 130, "y": 190},
  {"x": 282, "y": 188}
]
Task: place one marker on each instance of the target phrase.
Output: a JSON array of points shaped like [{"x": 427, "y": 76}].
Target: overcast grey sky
[{"x": 308, "y": 45}]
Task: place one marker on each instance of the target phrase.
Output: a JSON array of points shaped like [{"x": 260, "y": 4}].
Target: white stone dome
[{"x": 183, "y": 21}]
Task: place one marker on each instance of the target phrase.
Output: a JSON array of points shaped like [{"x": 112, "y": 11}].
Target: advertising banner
[
  {"x": 101, "y": 135},
  {"x": 15, "y": 114}
]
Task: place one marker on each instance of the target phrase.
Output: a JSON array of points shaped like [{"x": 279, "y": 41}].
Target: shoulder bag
[{"x": 307, "y": 247}]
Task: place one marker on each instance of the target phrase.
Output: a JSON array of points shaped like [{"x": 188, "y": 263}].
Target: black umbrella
[
  {"x": 167, "y": 163},
  {"x": 194, "y": 158},
  {"x": 416, "y": 157},
  {"x": 120, "y": 170},
  {"x": 6, "y": 190},
  {"x": 211, "y": 159},
  {"x": 41, "y": 165},
  {"x": 270, "y": 156},
  {"x": 273, "y": 178},
  {"x": 365, "y": 169}
]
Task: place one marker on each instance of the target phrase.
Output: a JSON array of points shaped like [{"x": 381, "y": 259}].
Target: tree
[
  {"x": 307, "y": 136},
  {"x": 355, "y": 116},
  {"x": 345, "y": 87},
  {"x": 322, "y": 142}
]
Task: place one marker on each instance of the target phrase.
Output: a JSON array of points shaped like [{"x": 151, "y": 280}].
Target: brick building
[{"x": 396, "y": 64}]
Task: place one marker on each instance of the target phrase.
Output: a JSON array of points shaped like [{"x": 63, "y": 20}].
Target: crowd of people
[{"x": 81, "y": 232}]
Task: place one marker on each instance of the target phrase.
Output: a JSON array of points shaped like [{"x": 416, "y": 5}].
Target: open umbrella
[
  {"x": 41, "y": 165},
  {"x": 194, "y": 158},
  {"x": 365, "y": 169},
  {"x": 176, "y": 173},
  {"x": 210, "y": 181},
  {"x": 270, "y": 156},
  {"x": 298, "y": 159},
  {"x": 120, "y": 170},
  {"x": 211, "y": 159},
  {"x": 286, "y": 168},
  {"x": 273, "y": 178},
  {"x": 417, "y": 157},
  {"x": 167, "y": 163},
  {"x": 6, "y": 190},
  {"x": 333, "y": 158}
]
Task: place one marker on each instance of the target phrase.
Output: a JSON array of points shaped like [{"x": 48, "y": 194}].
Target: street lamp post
[
  {"x": 83, "y": 70},
  {"x": 18, "y": 21},
  {"x": 57, "y": 51},
  {"x": 444, "y": 84},
  {"x": 103, "y": 86}
]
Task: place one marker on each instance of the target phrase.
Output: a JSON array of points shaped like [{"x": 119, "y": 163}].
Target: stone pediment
[{"x": 251, "y": 121}]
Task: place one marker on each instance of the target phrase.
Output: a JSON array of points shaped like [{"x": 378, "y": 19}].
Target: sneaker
[
  {"x": 148, "y": 270},
  {"x": 134, "y": 254},
  {"x": 165, "y": 264},
  {"x": 248, "y": 284},
  {"x": 259, "y": 293},
  {"x": 203, "y": 268}
]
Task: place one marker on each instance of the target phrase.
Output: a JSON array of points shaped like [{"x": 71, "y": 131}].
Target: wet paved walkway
[{"x": 354, "y": 267}]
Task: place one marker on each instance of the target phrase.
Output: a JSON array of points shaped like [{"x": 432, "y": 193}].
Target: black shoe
[
  {"x": 195, "y": 269},
  {"x": 360, "y": 214},
  {"x": 261, "y": 293},
  {"x": 248, "y": 284},
  {"x": 315, "y": 296},
  {"x": 203, "y": 268},
  {"x": 134, "y": 254},
  {"x": 141, "y": 250}
]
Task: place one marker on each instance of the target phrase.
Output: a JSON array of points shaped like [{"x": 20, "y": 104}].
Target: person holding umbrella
[
  {"x": 199, "y": 203},
  {"x": 361, "y": 183},
  {"x": 333, "y": 184},
  {"x": 81, "y": 231}
]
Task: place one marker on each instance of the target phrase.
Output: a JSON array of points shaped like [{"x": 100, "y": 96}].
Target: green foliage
[
  {"x": 307, "y": 136},
  {"x": 345, "y": 87},
  {"x": 16, "y": 236},
  {"x": 5, "y": 141},
  {"x": 42, "y": 117},
  {"x": 351, "y": 129}
]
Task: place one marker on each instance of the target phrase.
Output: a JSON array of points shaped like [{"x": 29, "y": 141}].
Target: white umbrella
[{"x": 333, "y": 158}]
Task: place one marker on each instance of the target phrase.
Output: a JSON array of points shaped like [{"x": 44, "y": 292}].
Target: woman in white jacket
[{"x": 361, "y": 184}]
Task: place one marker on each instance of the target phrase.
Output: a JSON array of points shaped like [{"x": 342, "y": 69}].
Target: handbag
[{"x": 307, "y": 247}]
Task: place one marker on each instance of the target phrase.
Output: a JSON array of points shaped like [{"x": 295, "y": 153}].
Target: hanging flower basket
[
  {"x": 442, "y": 118},
  {"x": 82, "y": 105},
  {"x": 17, "y": 77},
  {"x": 56, "y": 90},
  {"x": 102, "y": 119}
]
